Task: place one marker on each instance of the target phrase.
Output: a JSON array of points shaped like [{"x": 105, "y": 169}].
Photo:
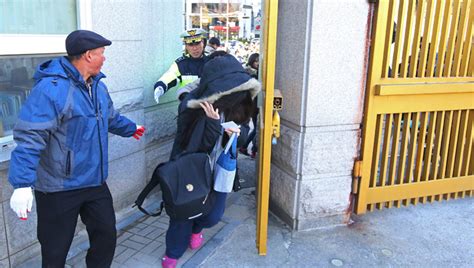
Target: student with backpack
[{"x": 225, "y": 93}]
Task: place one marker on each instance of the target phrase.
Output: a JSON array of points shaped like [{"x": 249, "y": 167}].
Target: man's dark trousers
[{"x": 57, "y": 219}]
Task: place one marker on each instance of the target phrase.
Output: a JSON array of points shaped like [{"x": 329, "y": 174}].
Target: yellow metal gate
[
  {"x": 270, "y": 23},
  {"x": 418, "y": 134}
]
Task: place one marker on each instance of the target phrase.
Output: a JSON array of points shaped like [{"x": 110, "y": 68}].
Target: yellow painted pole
[{"x": 269, "y": 61}]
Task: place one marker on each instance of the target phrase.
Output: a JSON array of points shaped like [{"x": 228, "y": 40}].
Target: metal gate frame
[{"x": 418, "y": 131}]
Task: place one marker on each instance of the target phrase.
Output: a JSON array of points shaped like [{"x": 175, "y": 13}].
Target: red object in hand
[{"x": 139, "y": 132}]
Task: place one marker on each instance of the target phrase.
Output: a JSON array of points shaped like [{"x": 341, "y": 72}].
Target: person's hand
[
  {"x": 139, "y": 132},
  {"x": 209, "y": 110},
  {"x": 159, "y": 90},
  {"x": 231, "y": 131},
  {"x": 22, "y": 201}
]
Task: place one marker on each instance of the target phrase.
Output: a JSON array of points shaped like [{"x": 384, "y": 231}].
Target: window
[
  {"x": 195, "y": 22},
  {"x": 31, "y": 32},
  {"x": 38, "y": 17},
  {"x": 16, "y": 81},
  {"x": 212, "y": 17},
  {"x": 37, "y": 26}
]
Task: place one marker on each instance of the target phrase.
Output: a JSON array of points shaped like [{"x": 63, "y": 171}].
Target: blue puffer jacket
[{"x": 61, "y": 133}]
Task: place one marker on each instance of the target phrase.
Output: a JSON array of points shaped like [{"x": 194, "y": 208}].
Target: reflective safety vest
[{"x": 183, "y": 71}]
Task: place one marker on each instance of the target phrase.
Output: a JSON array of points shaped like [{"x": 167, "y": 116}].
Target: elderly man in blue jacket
[{"x": 61, "y": 153}]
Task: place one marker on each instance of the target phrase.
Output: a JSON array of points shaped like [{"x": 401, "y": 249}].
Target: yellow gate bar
[
  {"x": 425, "y": 88},
  {"x": 422, "y": 103},
  {"x": 269, "y": 61},
  {"x": 413, "y": 190},
  {"x": 417, "y": 80}
]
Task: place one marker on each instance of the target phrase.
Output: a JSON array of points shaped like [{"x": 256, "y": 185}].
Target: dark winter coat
[{"x": 221, "y": 76}]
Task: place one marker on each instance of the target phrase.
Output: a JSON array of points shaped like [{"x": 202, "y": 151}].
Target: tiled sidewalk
[{"x": 142, "y": 244}]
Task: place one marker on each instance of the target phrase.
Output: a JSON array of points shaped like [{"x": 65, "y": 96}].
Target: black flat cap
[{"x": 80, "y": 41}]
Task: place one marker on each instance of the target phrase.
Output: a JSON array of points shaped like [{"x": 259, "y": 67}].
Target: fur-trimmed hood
[{"x": 222, "y": 76}]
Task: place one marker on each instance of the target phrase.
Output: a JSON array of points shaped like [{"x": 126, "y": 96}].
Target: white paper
[{"x": 230, "y": 124}]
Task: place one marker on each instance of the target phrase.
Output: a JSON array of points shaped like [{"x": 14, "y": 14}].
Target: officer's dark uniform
[{"x": 185, "y": 69}]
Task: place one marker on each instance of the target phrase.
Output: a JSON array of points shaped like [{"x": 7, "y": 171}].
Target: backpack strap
[
  {"x": 156, "y": 214},
  {"x": 155, "y": 180}
]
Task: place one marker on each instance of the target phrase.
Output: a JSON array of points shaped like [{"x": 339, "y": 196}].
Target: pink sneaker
[
  {"x": 168, "y": 262},
  {"x": 196, "y": 240},
  {"x": 253, "y": 155}
]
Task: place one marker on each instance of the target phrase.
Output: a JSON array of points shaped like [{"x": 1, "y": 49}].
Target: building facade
[
  {"x": 145, "y": 41},
  {"x": 226, "y": 20},
  {"x": 321, "y": 68}
]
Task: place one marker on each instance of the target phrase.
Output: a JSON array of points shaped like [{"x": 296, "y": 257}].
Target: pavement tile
[
  {"x": 150, "y": 220},
  {"x": 147, "y": 230},
  {"x": 136, "y": 264},
  {"x": 123, "y": 236},
  {"x": 80, "y": 264},
  {"x": 165, "y": 219},
  {"x": 146, "y": 258},
  {"x": 160, "y": 251},
  {"x": 208, "y": 233},
  {"x": 187, "y": 255},
  {"x": 142, "y": 219},
  {"x": 116, "y": 265},
  {"x": 132, "y": 244},
  {"x": 161, "y": 238},
  {"x": 128, "y": 253},
  {"x": 119, "y": 249},
  {"x": 151, "y": 247},
  {"x": 141, "y": 225},
  {"x": 161, "y": 224},
  {"x": 156, "y": 233},
  {"x": 140, "y": 239},
  {"x": 134, "y": 230},
  {"x": 78, "y": 261}
]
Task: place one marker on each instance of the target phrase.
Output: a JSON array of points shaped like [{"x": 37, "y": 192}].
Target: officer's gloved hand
[
  {"x": 159, "y": 90},
  {"x": 22, "y": 201},
  {"x": 139, "y": 132}
]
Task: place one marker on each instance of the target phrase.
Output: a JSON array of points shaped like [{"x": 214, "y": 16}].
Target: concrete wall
[
  {"x": 145, "y": 36},
  {"x": 320, "y": 70}
]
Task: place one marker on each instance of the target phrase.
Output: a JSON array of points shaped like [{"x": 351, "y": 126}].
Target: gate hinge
[
  {"x": 357, "y": 171},
  {"x": 356, "y": 174}
]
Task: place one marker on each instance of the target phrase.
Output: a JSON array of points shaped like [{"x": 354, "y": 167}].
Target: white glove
[
  {"x": 22, "y": 201},
  {"x": 159, "y": 90}
]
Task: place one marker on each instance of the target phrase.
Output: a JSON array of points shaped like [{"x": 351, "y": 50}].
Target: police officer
[{"x": 186, "y": 68}]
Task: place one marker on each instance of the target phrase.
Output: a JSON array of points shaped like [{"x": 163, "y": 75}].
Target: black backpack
[{"x": 186, "y": 185}]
